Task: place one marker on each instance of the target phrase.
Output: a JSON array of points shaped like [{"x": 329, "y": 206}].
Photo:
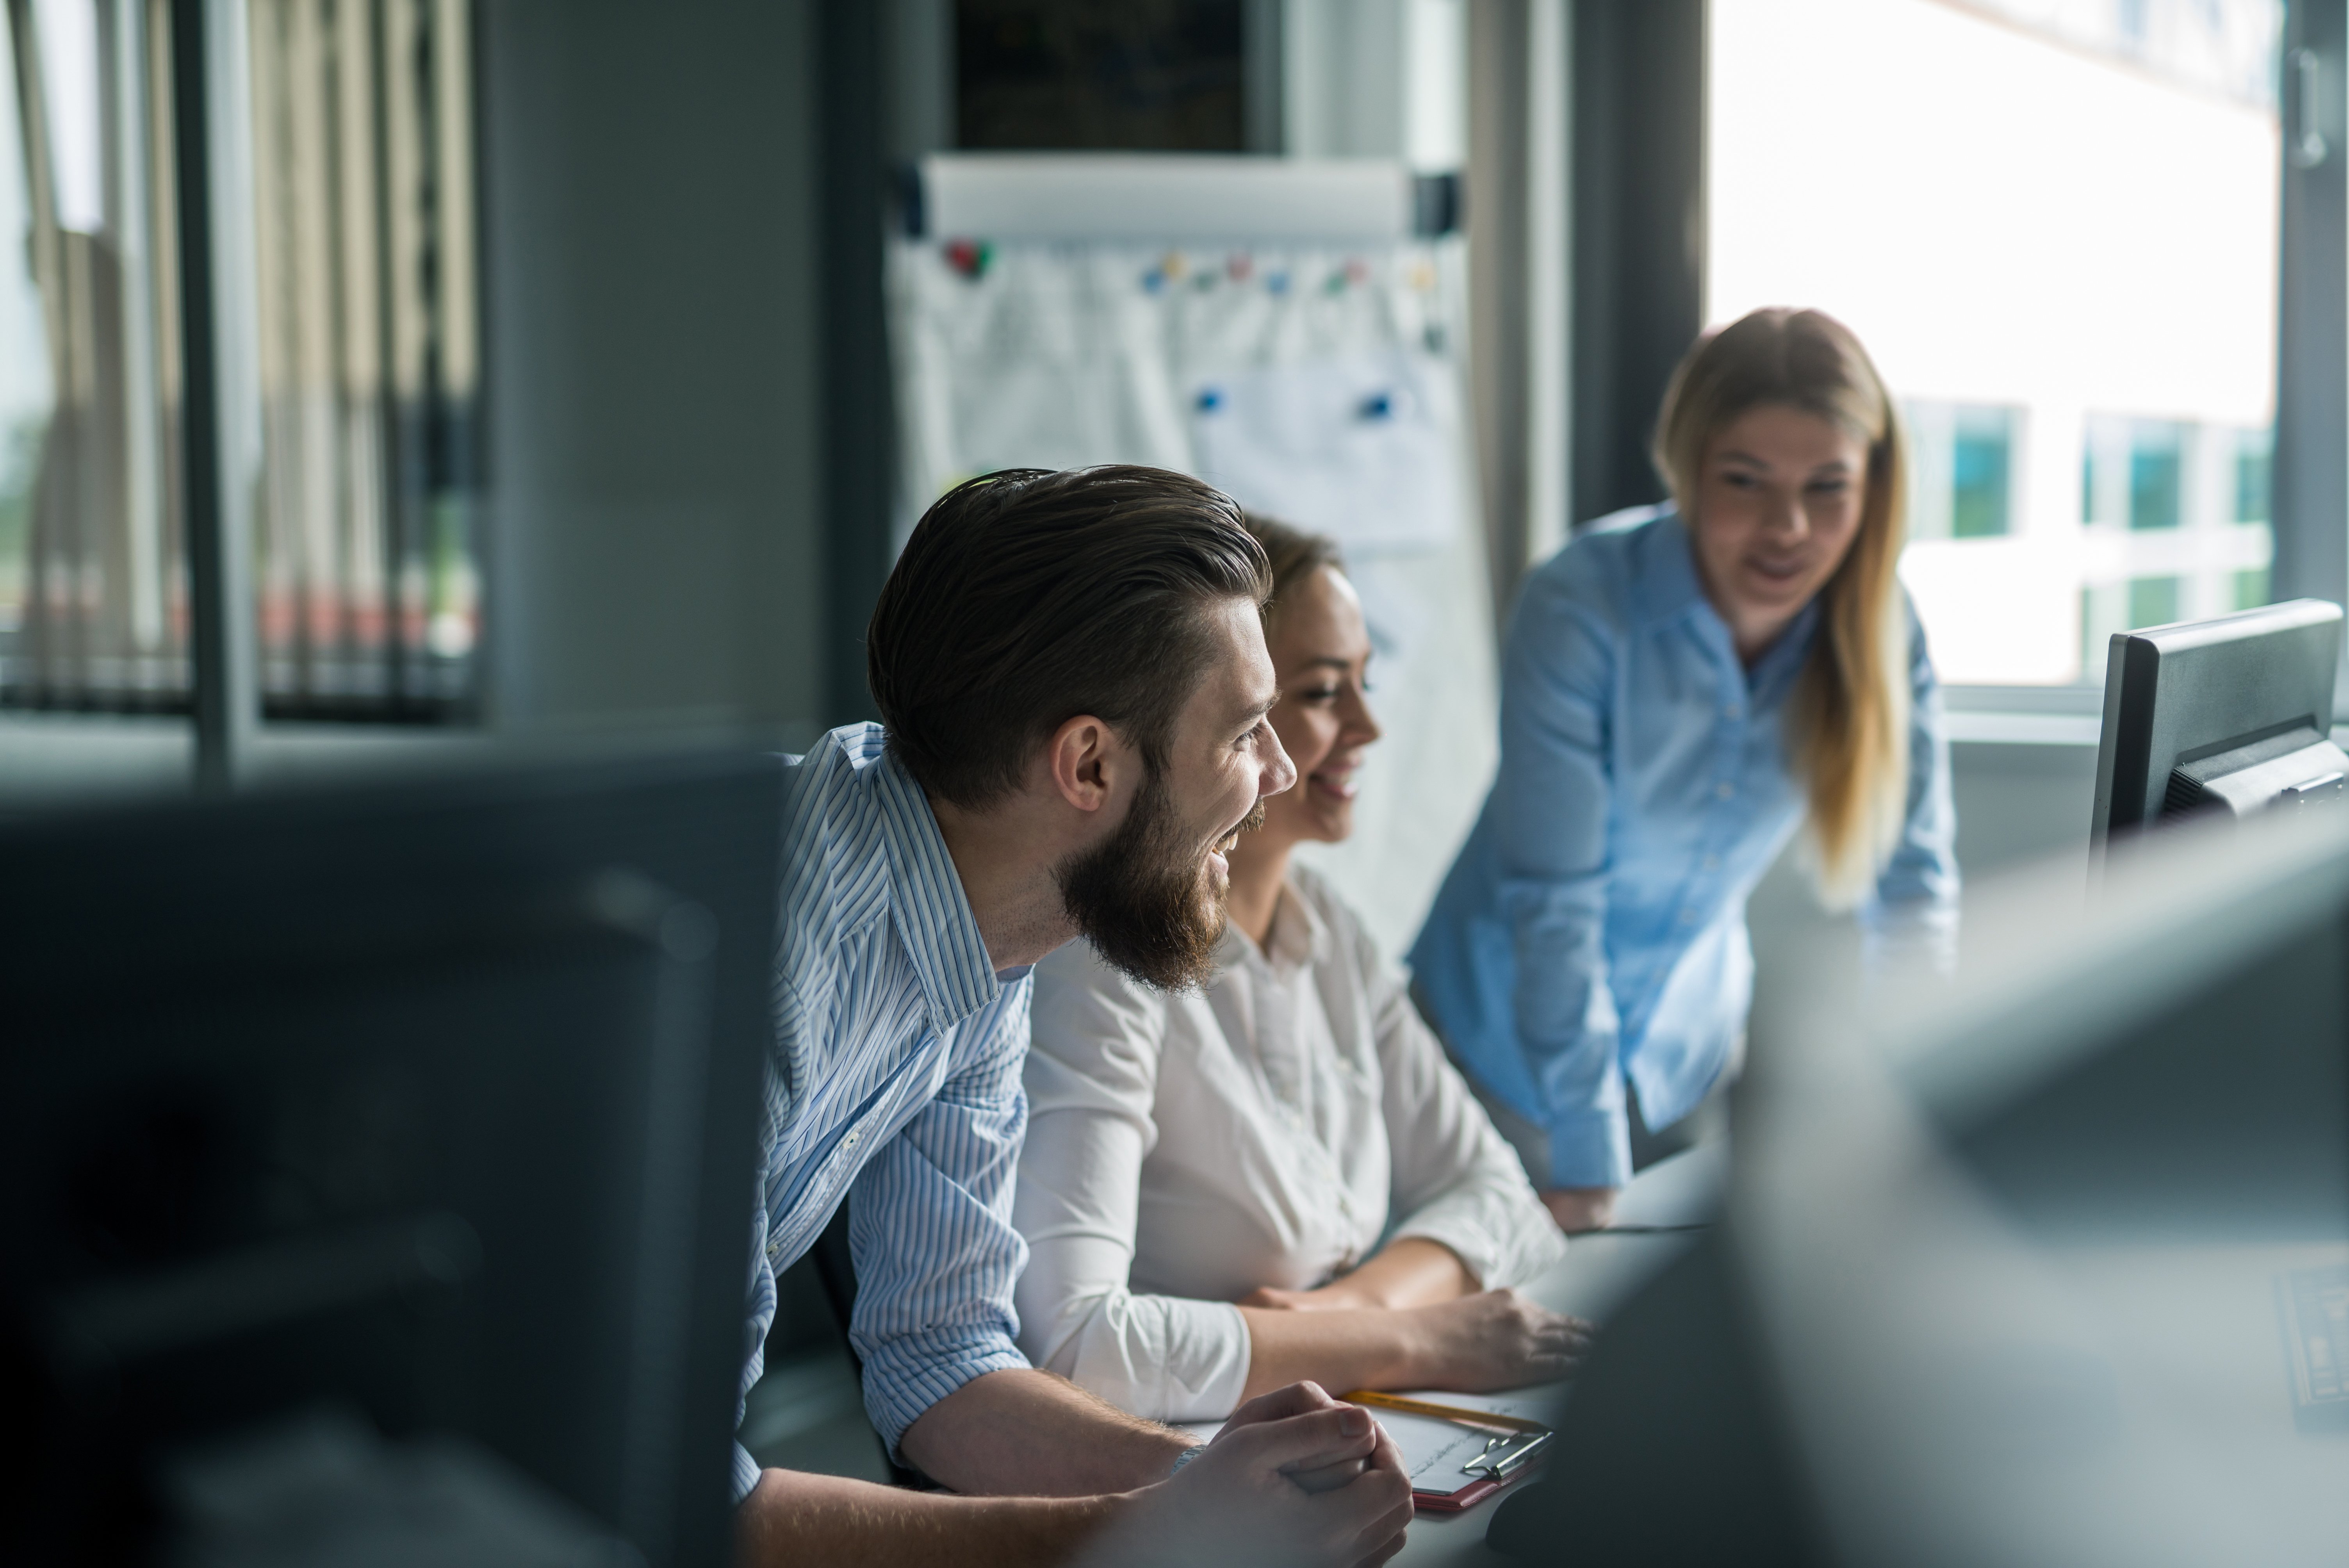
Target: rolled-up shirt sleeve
[
  {"x": 791, "y": 1022},
  {"x": 929, "y": 1227},
  {"x": 1091, "y": 1077},
  {"x": 1550, "y": 801},
  {"x": 1912, "y": 914},
  {"x": 1456, "y": 1179},
  {"x": 757, "y": 1317}
]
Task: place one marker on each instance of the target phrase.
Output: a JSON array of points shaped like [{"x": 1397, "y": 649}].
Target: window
[
  {"x": 2153, "y": 464},
  {"x": 363, "y": 530},
  {"x": 1980, "y": 447},
  {"x": 2176, "y": 523},
  {"x": 93, "y": 604},
  {"x": 360, "y": 161},
  {"x": 1961, "y": 465},
  {"x": 2152, "y": 600},
  {"x": 2128, "y": 606},
  {"x": 2255, "y": 478},
  {"x": 2060, "y": 244}
]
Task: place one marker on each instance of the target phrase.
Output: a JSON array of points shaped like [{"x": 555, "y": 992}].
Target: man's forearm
[
  {"x": 1028, "y": 1433},
  {"x": 816, "y": 1521}
]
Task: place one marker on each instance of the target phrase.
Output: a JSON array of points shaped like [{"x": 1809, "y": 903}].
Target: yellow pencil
[{"x": 1459, "y": 1413}]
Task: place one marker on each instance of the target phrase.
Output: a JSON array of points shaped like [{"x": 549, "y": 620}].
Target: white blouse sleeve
[
  {"x": 1091, "y": 1077},
  {"x": 1456, "y": 1179}
]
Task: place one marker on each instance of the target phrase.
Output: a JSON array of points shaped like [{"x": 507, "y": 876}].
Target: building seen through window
[
  {"x": 1961, "y": 470},
  {"x": 2060, "y": 243},
  {"x": 93, "y": 598},
  {"x": 363, "y": 191},
  {"x": 363, "y": 331}
]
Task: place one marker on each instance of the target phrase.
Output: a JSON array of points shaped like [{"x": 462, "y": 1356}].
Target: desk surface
[
  {"x": 809, "y": 1413},
  {"x": 1593, "y": 1278}
]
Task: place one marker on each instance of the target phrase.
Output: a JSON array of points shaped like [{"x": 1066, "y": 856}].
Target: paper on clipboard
[{"x": 1435, "y": 1450}]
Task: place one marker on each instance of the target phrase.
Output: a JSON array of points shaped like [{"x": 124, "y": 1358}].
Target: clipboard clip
[{"x": 1505, "y": 1453}]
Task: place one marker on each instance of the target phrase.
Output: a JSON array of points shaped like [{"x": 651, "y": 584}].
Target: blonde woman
[
  {"x": 1685, "y": 687},
  {"x": 1278, "y": 1177}
]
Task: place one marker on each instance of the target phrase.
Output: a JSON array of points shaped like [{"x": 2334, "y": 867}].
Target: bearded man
[{"x": 1073, "y": 682}]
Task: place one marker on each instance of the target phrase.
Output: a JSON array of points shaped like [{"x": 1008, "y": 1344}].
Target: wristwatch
[{"x": 1185, "y": 1456}]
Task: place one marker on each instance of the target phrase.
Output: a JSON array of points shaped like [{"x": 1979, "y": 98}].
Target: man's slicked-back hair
[{"x": 1027, "y": 597}]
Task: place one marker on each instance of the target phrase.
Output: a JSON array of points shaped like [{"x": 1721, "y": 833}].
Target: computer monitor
[
  {"x": 2229, "y": 716},
  {"x": 2042, "y": 1263},
  {"x": 381, "y": 1160}
]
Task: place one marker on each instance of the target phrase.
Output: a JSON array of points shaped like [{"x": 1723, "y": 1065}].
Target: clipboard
[{"x": 1509, "y": 1444}]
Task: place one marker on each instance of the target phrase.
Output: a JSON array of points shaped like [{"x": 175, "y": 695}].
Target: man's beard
[{"x": 1143, "y": 896}]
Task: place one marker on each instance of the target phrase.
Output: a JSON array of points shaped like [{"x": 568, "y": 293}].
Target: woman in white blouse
[{"x": 1207, "y": 1176}]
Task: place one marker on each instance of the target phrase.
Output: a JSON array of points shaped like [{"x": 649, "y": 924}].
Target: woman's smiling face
[
  {"x": 1780, "y": 494},
  {"x": 1321, "y": 655}
]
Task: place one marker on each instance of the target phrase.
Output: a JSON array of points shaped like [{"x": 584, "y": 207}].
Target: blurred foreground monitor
[
  {"x": 379, "y": 1168},
  {"x": 2045, "y": 1262}
]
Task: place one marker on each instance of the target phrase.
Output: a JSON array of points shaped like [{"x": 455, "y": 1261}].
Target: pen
[{"x": 1460, "y": 1413}]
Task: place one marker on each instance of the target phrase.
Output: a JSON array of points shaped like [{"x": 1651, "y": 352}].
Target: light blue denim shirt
[{"x": 1593, "y": 929}]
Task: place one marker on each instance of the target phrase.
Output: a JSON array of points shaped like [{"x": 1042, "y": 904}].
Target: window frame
[
  {"x": 210, "y": 251},
  {"x": 1642, "y": 261}
]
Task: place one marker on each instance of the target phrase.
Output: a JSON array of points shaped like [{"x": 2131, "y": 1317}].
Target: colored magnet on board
[
  {"x": 969, "y": 257},
  {"x": 1377, "y": 405},
  {"x": 1209, "y": 399}
]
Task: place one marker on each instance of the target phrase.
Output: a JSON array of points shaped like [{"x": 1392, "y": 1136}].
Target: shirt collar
[
  {"x": 1667, "y": 586},
  {"x": 1667, "y": 589},
  {"x": 1300, "y": 936},
  {"x": 934, "y": 914}
]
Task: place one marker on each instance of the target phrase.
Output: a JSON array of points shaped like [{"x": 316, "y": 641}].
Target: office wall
[
  {"x": 650, "y": 195},
  {"x": 2020, "y": 802}
]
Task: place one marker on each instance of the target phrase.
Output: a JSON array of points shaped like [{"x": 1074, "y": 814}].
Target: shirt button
[
  {"x": 1724, "y": 789},
  {"x": 850, "y": 1141}
]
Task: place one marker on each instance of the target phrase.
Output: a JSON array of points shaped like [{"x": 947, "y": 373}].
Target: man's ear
[{"x": 1084, "y": 758}]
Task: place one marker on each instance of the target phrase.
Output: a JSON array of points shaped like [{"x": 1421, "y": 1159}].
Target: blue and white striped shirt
[{"x": 894, "y": 1082}]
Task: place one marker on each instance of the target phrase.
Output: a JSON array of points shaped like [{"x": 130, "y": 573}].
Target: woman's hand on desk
[{"x": 1493, "y": 1340}]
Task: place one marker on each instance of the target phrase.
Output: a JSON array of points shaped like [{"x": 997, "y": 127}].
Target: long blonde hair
[{"x": 1847, "y": 720}]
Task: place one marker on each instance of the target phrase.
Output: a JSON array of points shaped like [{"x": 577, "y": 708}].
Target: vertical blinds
[{"x": 364, "y": 542}]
